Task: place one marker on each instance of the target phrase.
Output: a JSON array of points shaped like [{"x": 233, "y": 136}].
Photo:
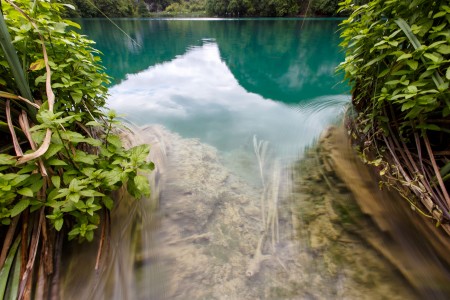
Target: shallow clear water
[{"x": 229, "y": 106}]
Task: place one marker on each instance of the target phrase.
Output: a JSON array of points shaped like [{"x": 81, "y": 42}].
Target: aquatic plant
[
  {"x": 60, "y": 159},
  {"x": 398, "y": 61}
]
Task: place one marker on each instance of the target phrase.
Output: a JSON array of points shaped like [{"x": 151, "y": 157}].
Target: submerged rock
[{"x": 301, "y": 233}]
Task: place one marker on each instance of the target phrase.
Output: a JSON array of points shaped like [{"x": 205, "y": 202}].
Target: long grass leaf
[
  {"x": 13, "y": 60},
  {"x": 11, "y": 293},
  {"x": 445, "y": 169},
  {"x": 5, "y": 271}
]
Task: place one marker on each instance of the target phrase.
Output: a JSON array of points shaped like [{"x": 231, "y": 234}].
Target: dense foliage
[
  {"x": 222, "y": 8},
  {"x": 398, "y": 61},
  {"x": 269, "y": 8},
  {"x": 187, "y": 7},
  {"x": 109, "y": 8},
  {"x": 60, "y": 159}
]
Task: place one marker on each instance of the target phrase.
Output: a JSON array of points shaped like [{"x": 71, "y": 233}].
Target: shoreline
[{"x": 410, "y": 242}]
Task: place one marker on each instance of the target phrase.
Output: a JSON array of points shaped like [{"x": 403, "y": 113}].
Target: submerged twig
[
  {"x": 258, "y": 258},
  {"x": 260, "y": 151}
]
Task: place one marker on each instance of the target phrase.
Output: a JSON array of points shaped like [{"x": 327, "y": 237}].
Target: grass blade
[
  {"x": 5, "y": 271},
  {"x": 13, "y": 60},
  {"x": 11, "y": 293}
]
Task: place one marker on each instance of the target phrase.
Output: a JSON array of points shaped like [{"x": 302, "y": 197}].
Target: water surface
[
  {"x": 229, "y": 106},
  {"x": 224, "y": 81}
]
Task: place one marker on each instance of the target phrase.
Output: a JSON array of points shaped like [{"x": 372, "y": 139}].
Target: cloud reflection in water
[{"x": 196, "y": 95}]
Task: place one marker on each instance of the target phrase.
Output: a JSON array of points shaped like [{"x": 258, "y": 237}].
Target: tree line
[{"x": 219, "y": 8}]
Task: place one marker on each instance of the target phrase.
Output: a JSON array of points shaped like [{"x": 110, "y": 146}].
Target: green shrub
[
  {"x": 85, "y": 161},
  {"x": 398, "y": 62}
]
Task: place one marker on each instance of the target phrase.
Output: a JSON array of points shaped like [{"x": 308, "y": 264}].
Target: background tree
[{"x": 325, "y": 7}]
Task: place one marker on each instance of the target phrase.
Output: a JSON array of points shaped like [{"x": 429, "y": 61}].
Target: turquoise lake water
[{"x": 224, "y": 81}]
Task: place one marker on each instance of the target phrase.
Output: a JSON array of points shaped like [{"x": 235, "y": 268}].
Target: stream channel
[{"x": 245, "y": 204}]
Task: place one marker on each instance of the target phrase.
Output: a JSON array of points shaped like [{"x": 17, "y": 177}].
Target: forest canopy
[{"x": 219, "y": 8}]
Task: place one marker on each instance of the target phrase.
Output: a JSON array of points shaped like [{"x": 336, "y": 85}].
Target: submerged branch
[{"x": 258, "y": 258}]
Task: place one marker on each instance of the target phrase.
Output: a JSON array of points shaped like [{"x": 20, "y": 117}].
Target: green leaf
[
  {"x": 439, "y": 14},
  {"x": 56, "y": 180},
  {"x": 52, "y": 150},
  {"x": 112, "y": 177},
  {"x": 431, "y": 56},
  {"x": 408, "y": 105},
  {"x": 58, "y": 224},
  {"x": 73, "y": 233},
  {"x": 89, "y": 236},
  {"x": 35, "y": 205},
  {"x": 407, "y": 30},
  {"x": 81, "y": 156},
  {"x": 115, "y": 141},
  {"x": 383, "y": 73},
  {"x": 19, "y": 179},
  {"x": 56, "y": 162},
  {"x": 93, "y": 142},
  {"x": 76, "y": 96},
  {"x": 37, "y": 65},
  {"x": 30, "y": 167},
  {"x": 5, "y": 271},
  {"x": 445, "y": 169},
  {"x": 93, "y": 123},
  {"x": 443, "y": 87},
  {"x": 412, "y": 64},
  {"x": 447, "y": 74},
  {"x": 6, "y": 159},
  {"x": 392, "y": 82},
  {"x": 150, "y": 166},
  {"x": 19, "y": 207},
  {"x": 90, "y": 193},
  {"x": 412, "y": 89},
  {"x": 36, "y": 182},
  {"x": 376, "y": 59},
  {"x": 109, "y": 203},
  {"x": 142, "y": 185},
  {"x": 25, "y": 192},
  {"x": 74, "y": 197},
  {"x": 429, "y": 127},
  {"x": 404, "y": 56},
  {"x": 444, "y": 49},
  {"x": 139, "y": 153}
]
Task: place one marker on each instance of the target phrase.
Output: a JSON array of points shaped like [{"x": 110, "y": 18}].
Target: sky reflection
[{"x": 196, "y": 95}]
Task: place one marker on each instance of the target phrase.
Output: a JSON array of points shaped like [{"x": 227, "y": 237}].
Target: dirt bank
[{"x": 411, "y": 242}]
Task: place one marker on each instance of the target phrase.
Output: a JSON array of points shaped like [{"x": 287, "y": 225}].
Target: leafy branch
[
  {"x": 54, "y": 184},
  {"x": 398, "y": 62}
]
